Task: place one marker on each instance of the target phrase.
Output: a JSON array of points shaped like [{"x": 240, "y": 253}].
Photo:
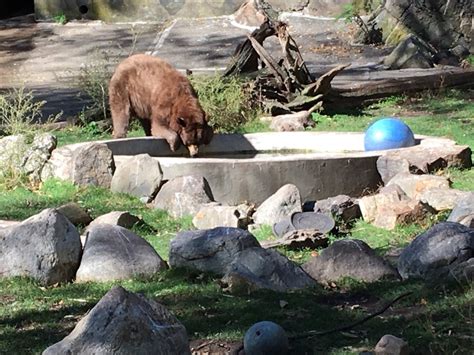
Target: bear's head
[{"x": 194, "y": 131}]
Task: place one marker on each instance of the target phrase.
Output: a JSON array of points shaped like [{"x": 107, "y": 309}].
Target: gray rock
[
  {"x": 414, "y": 185},
  {"x": 82, "y": 164},
  {"x": 115, "y": 253},
  {"x": 12, "y": 150},
  {"x": 341, "y": 207},
  {"x": 183, "y": 196},
  {"x": 140, "y": 176},
  {"x": 462, "y": 273},
  {"x": 281, "y": 204},
  {"x": 348, "y": 258},
  {"x": 442, "y": 199},
  {"x": 299, "y": 238},
  {"x": 214, "y": 215},
  {"x": 388, "y": 167},
  {"x": 8, "y": 223},
  {"x": 75, "y": 213},
  {"x": 430, "y": 156},
  {"x": 250, "y": 14},
  {"x": 463, "y": 212},
  {"x": 45, "y": 247},
  {"x": 391, "y": 207},
  {"x": 21, "y": 157},
  {"x": 432, "y": 254},
  {"x": 438, "y": 21},
  {"x": 291, "y": 122},
  {"x": 210, "y": 250},
  {"x": 258, "y": 268},
  {"x": 391, "y": 345},
  {"x": 123, "y": 322},
  {"x": 38, "y": 154},
  {"x": 411, "y": 52},
  {"x": 117, "y": 218}
]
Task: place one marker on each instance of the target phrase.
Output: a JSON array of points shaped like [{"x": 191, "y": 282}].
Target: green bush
[
  {"x": 19, "y": 111},
  {"x": 227, "y": 101},
  {"x": 94, "y": 80}
]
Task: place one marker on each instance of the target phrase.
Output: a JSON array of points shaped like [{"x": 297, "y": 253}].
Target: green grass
[
  {"x": 34, "y": 317},
  {"x": 158, "y": 228},
  {"x": 450, "y": 115},
  {"x": 434, "y": 319}
]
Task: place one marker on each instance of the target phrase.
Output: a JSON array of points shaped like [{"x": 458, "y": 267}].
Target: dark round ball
[{"x": 265, "y": 338}]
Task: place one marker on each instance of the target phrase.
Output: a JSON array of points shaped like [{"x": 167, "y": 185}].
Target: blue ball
[
  {"x": 265, "y": 338},
  {"x": 388, "y": 133}
]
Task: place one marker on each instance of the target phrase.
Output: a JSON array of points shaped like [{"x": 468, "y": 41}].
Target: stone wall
[
  {"x": 158, "y": 10},
  {"x": 444, "y": 24}
]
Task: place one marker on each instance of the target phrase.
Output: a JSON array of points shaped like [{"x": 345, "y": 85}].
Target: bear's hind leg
[{"x": 120, "y": 111}]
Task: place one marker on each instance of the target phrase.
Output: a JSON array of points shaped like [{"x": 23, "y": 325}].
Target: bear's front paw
[{"x": 174, "y": 143}]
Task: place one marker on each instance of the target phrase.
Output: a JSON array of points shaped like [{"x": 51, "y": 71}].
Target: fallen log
[{"x": 354, "y": 88}]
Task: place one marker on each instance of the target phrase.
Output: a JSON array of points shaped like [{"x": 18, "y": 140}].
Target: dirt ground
[{"x": 47, "y": 57}]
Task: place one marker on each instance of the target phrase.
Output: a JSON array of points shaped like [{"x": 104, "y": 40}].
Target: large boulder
[
  {"x": 281, "y": 204},
  {"x": 412, "y": 52},
  {"x": 414, "y": 185},
  {"x": 215, "y": 215},
  {"x": 348, "y": 258},
  {"x": 117, "y": 218},
  {"x": 115, "y": 253},
  {"x": 427, "y": 157},
  {"x": 463, "y": 211},
  {"x": 210, "y": 250},
  {"x": 12, "y": 149},
  {"x": 82, "y": 163},
  {"x": 22, "y": 157},
  {"x": 38, "y": 154},
  {"x": 258, "y": 268},
  {"x": 140, "y": 176},
  {"x": 45, "y": 247},
  {"x": 444, "y": 24},
  {"x": 183, "y": 196},
  {"x": 341, "y": 207},
  {"x": 442, "y": 199},
  {"x": 434, "y": 253},
  {"x": 390, "y": 207},
  {"x": 76, "y": 214},
  {"x": 123, "y": 322}
]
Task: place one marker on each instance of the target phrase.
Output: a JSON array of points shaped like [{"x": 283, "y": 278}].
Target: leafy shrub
[
  {"x": 226, "y": 101},
  {"x": 19, "y": 110},
  {"x": 356, "y": 8},
  {"x": 94, "y": 80}
]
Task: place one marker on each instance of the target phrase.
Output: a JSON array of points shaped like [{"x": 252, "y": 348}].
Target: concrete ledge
[{"x": 251, "y": 167}]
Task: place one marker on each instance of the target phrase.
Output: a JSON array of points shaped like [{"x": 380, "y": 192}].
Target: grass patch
[
  {"x": 158, "y": 228},
  {"x": 449, "y": 115},
  {"x": 434, "y": 319},
  {"x": 431, "y": 319}
]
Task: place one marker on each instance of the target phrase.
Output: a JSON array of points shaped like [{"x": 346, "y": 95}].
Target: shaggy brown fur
[{"x": 161, "y": 98}]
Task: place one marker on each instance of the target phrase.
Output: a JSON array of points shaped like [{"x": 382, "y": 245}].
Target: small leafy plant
[
  {"x": 60, "y": 19},
  {"x": 94, "y": 80},
  {"x": 19, "y": 111}
]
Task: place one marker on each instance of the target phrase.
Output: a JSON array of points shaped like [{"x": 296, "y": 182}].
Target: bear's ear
[{"x": 181, "y": 121}]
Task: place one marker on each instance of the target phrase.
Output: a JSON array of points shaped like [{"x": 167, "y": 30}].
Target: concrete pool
[{"x": 251, "y": 167}]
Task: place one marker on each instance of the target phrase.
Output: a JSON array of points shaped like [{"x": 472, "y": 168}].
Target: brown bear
[{"x": 161, "y": 98}]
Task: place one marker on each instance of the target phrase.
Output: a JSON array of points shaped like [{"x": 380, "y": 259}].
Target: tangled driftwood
[{"x": 286, "y": 85}]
